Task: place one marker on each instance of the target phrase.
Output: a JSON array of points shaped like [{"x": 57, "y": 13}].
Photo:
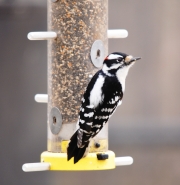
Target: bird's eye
[{"x": 120, "y": 59}]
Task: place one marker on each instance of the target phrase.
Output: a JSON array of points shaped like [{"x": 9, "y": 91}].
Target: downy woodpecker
[{"x": 101, "y": 98}]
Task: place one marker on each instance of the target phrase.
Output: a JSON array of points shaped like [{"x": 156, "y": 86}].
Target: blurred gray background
[{"x": 146, "y": 126}]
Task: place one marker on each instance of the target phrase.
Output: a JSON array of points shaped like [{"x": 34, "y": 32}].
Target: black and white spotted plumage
[{"x": 101, "y": 98}]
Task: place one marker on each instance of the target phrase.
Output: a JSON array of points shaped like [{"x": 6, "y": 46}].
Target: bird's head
[{"x": 118, "y": 61}]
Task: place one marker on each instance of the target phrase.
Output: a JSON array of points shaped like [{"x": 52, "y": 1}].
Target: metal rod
[
  {"x": 31, "y": 167},
  {"x": 117, "y": 33},
  {"x": 122, "y": 161},
  {"x": 41, "y": 35},
  {"x": 41, "y": 98},
  {"x": 113, "y": 33}
]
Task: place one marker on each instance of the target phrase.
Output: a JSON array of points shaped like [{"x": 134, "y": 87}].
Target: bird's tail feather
[{"x": 74, "y": 151}]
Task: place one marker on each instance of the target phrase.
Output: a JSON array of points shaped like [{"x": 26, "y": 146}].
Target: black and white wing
[{"x": 100, "y": 100}]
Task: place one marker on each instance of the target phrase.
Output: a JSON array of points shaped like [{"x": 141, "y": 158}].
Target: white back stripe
[{"x": 96, "y": 93}]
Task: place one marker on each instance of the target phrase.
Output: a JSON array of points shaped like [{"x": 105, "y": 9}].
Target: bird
[{"x": 101, "y": 98}]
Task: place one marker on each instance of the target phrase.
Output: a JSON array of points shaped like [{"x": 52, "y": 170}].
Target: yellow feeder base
[{"x": 59, "y": 161}]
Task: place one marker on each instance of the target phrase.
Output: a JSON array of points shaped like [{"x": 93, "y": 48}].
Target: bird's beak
[
  {"x": 135, "y": 58},
  {"x": 129, "y": 59}
]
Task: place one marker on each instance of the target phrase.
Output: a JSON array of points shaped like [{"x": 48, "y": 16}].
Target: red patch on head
[{"x": 106, "y": 58}]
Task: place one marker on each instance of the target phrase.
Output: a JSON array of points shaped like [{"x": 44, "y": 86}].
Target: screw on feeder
[
  {"x": 54, "y": 120},
  {"x": 97, "y": 145},
  {"x": 102, "y": 156},
  {"x": 98, "y": 53}
]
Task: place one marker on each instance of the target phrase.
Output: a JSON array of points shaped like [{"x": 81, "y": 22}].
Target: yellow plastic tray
[{"x": 58, "y": 161}]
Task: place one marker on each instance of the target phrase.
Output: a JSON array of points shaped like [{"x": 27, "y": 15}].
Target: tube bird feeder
[{"x": 77, "y": 45}]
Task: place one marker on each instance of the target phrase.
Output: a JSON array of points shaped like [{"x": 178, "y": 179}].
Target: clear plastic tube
[{"x": 78, "y": 25}]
